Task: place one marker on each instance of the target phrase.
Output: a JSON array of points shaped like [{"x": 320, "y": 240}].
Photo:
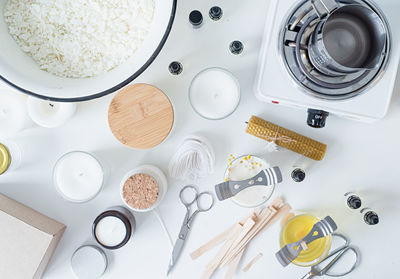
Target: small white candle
[
  {"x": 13, "y": 114},
  {"x": 214, "y": 93},
  {"x": 50, "y": 114},
  {"x": 78, "y": 176},
  {"x": 110, "y": 231}
]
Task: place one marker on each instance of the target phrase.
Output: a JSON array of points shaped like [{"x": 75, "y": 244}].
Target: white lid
[{"x": 89, "y": 262}]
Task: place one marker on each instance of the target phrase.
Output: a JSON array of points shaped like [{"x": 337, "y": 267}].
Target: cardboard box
[{"x": 27, "y": 240}]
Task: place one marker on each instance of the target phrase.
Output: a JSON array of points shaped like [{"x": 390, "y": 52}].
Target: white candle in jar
[
  {"x": 78, "y": 176},
  {"x": 13, "y": 114},
  {"x": 214, "y": 93},
  {"x": 110, "y": 231},
  {"x": 50, "y": 114}
]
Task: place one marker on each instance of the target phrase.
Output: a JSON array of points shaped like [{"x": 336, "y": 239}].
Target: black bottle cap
[
  {"x": 298, "y": 175},
  {"x": 215, "y": 13},
  {"x": 236, "y": 47},
  {"x": 175, "y": 68},
  {"x": 354, "y": 202},
  {"x": 195, "y": 18},
  {"x": 371, "y": 218},
  {"x": 317, "y": 118}
]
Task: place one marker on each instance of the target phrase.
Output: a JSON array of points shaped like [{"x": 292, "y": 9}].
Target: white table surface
[{"x": 360, "y": 157}]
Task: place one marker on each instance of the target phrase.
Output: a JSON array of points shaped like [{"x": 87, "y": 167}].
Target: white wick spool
[
  {"x": 50, "y": 114},
  {"x": 78, "y": 176}
]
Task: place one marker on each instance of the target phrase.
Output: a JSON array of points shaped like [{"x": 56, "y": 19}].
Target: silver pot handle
[{"x": 324, "y": 7}]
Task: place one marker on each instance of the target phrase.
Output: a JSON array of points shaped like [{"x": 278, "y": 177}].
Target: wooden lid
[{"x": 140, "y": 116}]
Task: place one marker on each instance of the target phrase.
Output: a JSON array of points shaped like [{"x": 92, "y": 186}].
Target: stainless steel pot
[{"x": 347, "y": 38}]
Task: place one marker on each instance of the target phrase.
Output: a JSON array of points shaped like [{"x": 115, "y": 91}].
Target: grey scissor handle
[
  {"x": 324, "y": 7},
  {"x": 196, "y": 199},
  {"x": 337, "y": 254}
]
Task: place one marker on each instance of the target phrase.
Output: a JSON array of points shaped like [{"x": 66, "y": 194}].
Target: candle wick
[{"x": 50, "y": 104}]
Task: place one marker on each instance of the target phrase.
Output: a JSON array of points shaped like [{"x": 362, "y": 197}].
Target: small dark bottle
[
  {"x": 236, "y": 47},
  {"x": 371, "y": 218},
  {"x": 175, "y": 68},
  {"x": 298, "y": 175},
  {"x": 215, "y": 13},
  {"x": 196, "y": 18},
  {"x": 354, "y": 202}
]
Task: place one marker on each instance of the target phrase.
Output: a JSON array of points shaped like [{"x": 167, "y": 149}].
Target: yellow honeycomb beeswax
[{"x": 286, "y": 138}]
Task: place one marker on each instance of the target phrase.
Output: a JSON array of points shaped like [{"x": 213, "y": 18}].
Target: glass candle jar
[
  {"x": 13, "y": 115},
  {"x": 246, "y": 167},
  {"x": 295, "y": 228},
  {"x": 214, "y": 93},
  {"x": 113, "y": 228},
  {"x": 78, "y": 176},
  {"x": 143, "y": 188},
  {"x": 10, "y": 157}
]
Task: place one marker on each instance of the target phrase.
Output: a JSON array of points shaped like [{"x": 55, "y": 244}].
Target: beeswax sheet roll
[{"x": 286, "y": 138}]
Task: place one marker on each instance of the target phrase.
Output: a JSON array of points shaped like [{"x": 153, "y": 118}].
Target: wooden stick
[
  {"x": 265, "y": 216},
  {"x": 217, "y": 240},
  {"x": 246, "y": 228},
  {"x": 213, "y": 265},
  {"x": 278, "y": 203},
  {"x": 210, "y": 244},
  {"x": 303, "y": 245},
  {"x": 233, "y": 266},
  {"x": 253, "y": 261},
  {"x": 284, "y": 210},
  {"x": 267, "y": 223}
]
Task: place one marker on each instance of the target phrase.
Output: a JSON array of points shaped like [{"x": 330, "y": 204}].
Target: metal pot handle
[{"x": 324, "y": 7}]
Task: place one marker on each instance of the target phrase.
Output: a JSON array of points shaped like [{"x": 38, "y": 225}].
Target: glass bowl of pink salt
[{"x": 143, "y": 188}]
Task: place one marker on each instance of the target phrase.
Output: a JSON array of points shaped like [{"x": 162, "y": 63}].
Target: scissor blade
[{"x": 176, "y": 252}]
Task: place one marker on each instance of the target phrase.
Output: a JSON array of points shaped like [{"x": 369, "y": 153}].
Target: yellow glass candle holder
[{"x": 295, "y": 229}]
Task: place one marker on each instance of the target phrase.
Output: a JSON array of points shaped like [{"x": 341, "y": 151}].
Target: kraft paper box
[{"x": 27, "y": 240}]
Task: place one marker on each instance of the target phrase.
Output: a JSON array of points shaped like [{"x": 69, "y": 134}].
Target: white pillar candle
[
  {"x": 110, "y": 231},
  {"x": 50, "y": 114},
  {"x": 13, "y": 114},
  {"x": 214, "y": 93},
  {"x": 78, "y": 176}
]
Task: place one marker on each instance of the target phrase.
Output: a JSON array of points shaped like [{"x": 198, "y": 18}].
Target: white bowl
[
  {"x": 158, "y": 176},
  {"x": 19, "y": 70}
]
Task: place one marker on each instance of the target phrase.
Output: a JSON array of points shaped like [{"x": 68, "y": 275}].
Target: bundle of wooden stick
[{"x": 236, "y": 238}]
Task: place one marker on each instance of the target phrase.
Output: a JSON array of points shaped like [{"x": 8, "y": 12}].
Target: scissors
[
  {"x": 187, "y": 222},
  {"x": 338, "y": 253}
]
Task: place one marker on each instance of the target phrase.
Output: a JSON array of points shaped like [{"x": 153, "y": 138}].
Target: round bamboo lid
[{"x": 140, "y": 116}]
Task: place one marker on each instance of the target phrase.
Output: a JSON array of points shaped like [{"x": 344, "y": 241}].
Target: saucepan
[
  {"x": 347, "y": 39},
  {"x": 21, "y": 71}
]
